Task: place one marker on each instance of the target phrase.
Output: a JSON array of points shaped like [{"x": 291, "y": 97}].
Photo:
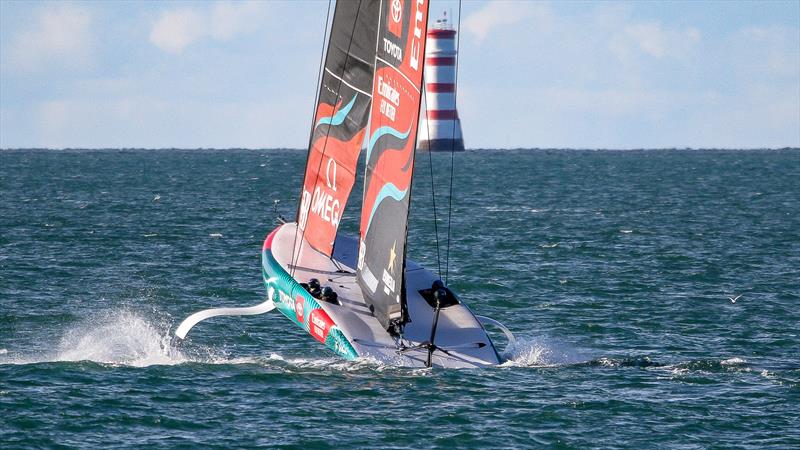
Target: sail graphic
[
  {"x": 342, "y": 113},
  {"x": 390, "y": 157}
]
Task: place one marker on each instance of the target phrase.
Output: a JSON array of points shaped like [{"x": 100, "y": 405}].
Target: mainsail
[
  {"x": 390, "y": 157},
  {"x": 342, "y": 112}
]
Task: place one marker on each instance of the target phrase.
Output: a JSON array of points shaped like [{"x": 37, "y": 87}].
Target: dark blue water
[{"x": 616, "y": 270}]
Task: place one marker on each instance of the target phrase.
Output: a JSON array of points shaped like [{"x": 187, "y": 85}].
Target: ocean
[{"x": 654, "y": 295}]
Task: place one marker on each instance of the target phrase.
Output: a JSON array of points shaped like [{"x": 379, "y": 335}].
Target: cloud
[
  {"x": 60, "y": 34},
  {"x": 612, "y": 75},
  {"x": 502, "y": 13},
  {"x": 652, "y": 39},
  {"x": 178, "y": 28},
  {"x": 559, "y": 74}
]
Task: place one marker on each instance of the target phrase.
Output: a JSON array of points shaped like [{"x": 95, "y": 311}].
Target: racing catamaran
[{"x": 361, "y": 297}]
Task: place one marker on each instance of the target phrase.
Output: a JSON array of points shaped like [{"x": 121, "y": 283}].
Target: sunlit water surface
[{"x": 617, "y": 271}]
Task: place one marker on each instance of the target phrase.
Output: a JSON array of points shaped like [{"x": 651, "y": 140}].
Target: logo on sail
[
  {"x": 396, "y": 18},
  {"x": 322, "y": 203},
  {"x": 390, "y": 99},
  {"x": 416, "y": 42},
  {"x": 388, "y": 279},
  {"x": 305, "y": 205},
  {"x": 331, "y": 169}
]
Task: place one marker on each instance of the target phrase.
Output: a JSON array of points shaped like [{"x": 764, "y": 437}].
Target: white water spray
[
  {"x": 116, "y": 337},
  {"x": 540, "y": 352},
  {"x": 119, "y": 337}
]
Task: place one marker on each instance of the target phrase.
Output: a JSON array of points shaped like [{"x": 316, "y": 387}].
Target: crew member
[
  {"x": 314, "y": 288},
  {"x": 329, "y": 295},
  {"x": 440, "y": 295}
]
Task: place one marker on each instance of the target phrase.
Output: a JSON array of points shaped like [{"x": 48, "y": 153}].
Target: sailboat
[{"x": 360, "y": 296}]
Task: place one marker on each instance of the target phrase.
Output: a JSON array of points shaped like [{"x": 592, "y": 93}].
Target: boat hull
[{"x": 349, "y": 329}]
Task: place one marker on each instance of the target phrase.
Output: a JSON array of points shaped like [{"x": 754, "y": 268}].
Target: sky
[{"x": 559, "y": 74}]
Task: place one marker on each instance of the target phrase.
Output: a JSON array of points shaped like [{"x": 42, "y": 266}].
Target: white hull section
[{"x": 459, "y": 331}]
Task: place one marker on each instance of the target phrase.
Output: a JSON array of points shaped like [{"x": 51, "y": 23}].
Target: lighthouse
[{"x": 440, "y": 127}]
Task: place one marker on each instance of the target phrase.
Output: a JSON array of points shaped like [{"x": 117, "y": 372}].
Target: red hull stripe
[
  {"x": 440, "y": 87},
  {"x": 441, "y": 33},
  {"x": 268, "y": 240},
  {"x": 440, "y": 61},
  {"x": 441, "y": 114}
]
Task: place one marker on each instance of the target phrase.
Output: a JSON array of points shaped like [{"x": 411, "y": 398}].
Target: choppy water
[{"x": 615, "y": 269}]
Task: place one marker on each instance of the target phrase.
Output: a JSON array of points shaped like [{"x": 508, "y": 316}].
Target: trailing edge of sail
[
  {"x": 342, "y": 113},
  {"x": 390, "y": 157}
]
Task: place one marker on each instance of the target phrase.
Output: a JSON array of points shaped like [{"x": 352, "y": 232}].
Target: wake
[{"x": 125, "y": 337}]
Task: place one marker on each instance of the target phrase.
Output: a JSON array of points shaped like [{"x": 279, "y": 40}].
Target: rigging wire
[
  {"x": 433, "y": 187},
  {"x": 311, "y": 135},
  {"x": 453, "y": 149},
  {"x": 327, "y": 132}
]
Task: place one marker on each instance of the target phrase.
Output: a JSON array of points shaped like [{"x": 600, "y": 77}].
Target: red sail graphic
[
  {"x": 391, "y": 143},
  {"x": 339, "y": 123},
  {"x": 330, "y": 174}
]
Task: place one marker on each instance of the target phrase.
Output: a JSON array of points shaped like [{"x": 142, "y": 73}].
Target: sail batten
[
  {"x": 394, "y": 119},
  {"x": 340, "y": 121}
]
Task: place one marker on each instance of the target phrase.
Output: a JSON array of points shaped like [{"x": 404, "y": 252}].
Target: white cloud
[
  {"x": 502, "y": 13},
  {"x": 59, "y": 34},
  {"x": 652, "y": 39},
  {"x": 176, "y": 29}
]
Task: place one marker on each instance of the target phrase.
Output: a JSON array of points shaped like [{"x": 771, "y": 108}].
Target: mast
[
  {"x": 342, "y": 113},
  {"x": 394, "y": 119}
]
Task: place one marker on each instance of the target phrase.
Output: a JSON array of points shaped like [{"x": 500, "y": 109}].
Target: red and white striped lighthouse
[{"x": 440, "y": 127}]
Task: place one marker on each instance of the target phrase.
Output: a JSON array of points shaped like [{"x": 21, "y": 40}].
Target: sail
[
  {"x": 390, "y": 157},
  {"x": 340, "y": 121}
]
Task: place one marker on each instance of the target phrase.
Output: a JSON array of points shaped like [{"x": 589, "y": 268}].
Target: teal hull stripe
[{"x": 275, "y": 276}]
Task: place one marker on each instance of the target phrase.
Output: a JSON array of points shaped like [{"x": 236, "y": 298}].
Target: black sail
[
  {"x": 394, "y": 119},
  {"x": 340, "y": 121}
]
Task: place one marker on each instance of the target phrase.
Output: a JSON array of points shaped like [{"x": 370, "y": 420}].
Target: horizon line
[{"x": 474, "y": 149}]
